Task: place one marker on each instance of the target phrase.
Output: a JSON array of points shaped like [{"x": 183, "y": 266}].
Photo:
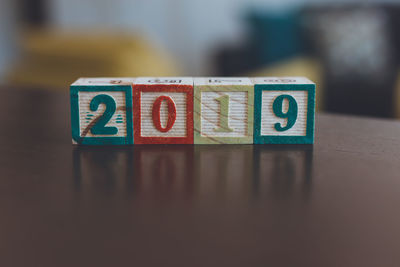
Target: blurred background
[{"x": 350, "y": 49}]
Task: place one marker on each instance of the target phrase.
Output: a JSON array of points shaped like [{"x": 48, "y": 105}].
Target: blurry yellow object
[
  {"x": 55, "y": 60},
  {"x": 301, "y": 66}
]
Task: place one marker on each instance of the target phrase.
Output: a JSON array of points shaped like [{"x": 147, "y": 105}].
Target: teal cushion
[{"x": 276, "y": 36}]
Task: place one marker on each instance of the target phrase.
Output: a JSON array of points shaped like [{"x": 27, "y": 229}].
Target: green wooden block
[
  {"x": 101, "y": 111},
  {"x": 284, "y": 110},
  {"x": 223, "y": 110}
]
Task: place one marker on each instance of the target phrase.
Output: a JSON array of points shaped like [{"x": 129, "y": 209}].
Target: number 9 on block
[
  {"x": 101, "y": 111},
  {"x": 284, "y": 110}
]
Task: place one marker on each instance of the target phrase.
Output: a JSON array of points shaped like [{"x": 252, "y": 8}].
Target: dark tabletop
[{"x": 332, "y": 204}]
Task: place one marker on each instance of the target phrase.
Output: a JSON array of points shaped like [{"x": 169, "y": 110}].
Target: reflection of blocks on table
[
  {"x": 226, "y": 172},
  {"x": 284, "y": 110},
  {"x": 163, "y": 110},
  {"x": 223, "y": 111},
  {"x": 101, "y": 111},
  {"x": 164, "y": 171}
]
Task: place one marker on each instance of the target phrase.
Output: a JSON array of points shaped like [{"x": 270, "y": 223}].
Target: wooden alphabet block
[
  {"x": 284, "y": 110},
  {"x": 101, "y": 111},
  {"x": 223, "y": 111},
  {"x": 163, "y": 110}
]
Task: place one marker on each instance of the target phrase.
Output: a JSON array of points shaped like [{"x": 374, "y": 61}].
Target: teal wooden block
[
  {"x": 284, "y": 110},
  {"x": 101, "y": 111}
]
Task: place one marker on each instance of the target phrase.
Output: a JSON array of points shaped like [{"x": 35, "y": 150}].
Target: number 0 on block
[{"x": 163, "y": 110}]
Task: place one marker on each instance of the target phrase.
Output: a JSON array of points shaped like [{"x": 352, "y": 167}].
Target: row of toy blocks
[{"x": 183, "y": 110}]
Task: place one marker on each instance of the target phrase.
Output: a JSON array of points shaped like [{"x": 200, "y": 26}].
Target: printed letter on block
[
  {"x": 284, "y": 110},
  {"x": 101, "y": 111},
  {"x": 163, "y": 110},
  {"x": 223, "y": 111}
]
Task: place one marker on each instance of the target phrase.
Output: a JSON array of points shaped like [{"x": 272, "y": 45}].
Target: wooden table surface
[{"x": 332, "y": 204}]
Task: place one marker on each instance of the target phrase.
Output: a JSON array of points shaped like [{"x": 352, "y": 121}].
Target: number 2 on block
[
  {"x": 99, "y": 124},
  {"x": 290, "y": 114},
  {"x": 223, "y": 114}
]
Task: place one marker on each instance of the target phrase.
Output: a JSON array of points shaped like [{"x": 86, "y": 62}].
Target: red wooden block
[{"x": 163, "y": 111}]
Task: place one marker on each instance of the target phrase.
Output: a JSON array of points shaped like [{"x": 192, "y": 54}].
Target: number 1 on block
[
  {"x": 223, "y": 111},
  {"x": 223, "y": 114}
]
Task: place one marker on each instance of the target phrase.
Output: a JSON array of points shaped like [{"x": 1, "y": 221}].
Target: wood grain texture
[
  {"x": 105, "y": 81},
  {"x": 268, "y": 119},
  {"x": 86, "y": 116},
  {"x": 208, "y": 116},
  {"x": 144, "y": 97},
  {"x": 147, "y": 126}
]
